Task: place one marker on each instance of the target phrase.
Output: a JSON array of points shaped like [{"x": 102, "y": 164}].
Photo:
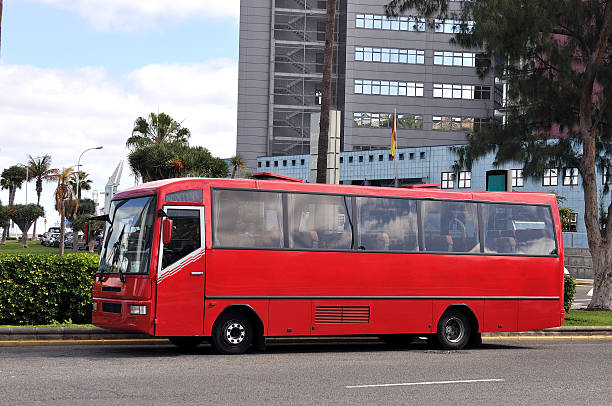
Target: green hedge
[
  {"x": 40, "y": 289},
  {"x": 569, "y": 287}
]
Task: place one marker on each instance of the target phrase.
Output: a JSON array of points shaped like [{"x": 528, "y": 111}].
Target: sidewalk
[{"x": 96, "y": 334}]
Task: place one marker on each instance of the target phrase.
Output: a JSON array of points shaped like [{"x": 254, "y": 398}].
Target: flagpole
[{"x": 396, "y": 181}]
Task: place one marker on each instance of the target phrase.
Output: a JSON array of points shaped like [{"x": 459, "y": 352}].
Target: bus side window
[
  {"x": 450, "y": 226},
  {"x": 319, "y": 221},
  {"x": 247, "y": 219},
  {"x": 186, "y": 236},
  {"x": 387, "y": 224},
  {"x": 518, "y": 229}
]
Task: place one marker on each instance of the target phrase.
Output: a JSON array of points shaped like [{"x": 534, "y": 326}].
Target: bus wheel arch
[
  {"x": 236, "y": 328},
  {"x": 458, "y": 327}
]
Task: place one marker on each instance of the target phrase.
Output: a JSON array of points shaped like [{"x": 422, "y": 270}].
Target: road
[
  {"x": 581, "y": 300},
  {"x": 526, "y": 372}
]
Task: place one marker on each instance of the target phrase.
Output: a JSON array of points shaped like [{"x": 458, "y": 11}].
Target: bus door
[{"x": 180, "y": 274}]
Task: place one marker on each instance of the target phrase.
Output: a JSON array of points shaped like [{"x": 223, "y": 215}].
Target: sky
[{"x": 75, "y": 74}]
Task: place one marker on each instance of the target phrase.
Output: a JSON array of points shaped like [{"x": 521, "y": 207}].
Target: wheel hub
[
  {"x": 234, "y": 333},
  {"x": 453, "y": 330}
]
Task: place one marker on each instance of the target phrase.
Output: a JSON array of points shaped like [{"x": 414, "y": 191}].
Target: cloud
[
  {"x": 61, "y": 112},
  {"x": 130, "y": 15}
]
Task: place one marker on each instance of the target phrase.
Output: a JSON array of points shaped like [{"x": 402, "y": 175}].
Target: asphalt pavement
[{"x": 542, "y": 372}]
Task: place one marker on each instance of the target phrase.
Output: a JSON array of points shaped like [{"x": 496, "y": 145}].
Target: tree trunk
[
  {"x": 234, "y": 172},
  {"x": 35, "y": 221},
  {"x": 75, "y": 241},
  {"x": 62, "y": 228},
  {"x": 328, "y": 61},
  {"x": 24, "y": 235}
]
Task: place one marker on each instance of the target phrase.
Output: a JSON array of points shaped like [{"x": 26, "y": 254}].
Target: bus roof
[{"x": 172, "y": 185}]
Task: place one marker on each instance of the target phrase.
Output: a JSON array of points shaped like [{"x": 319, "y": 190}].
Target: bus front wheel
[
  {"x": 453, "y": 330},
  {"x": 232, "y": 333}
]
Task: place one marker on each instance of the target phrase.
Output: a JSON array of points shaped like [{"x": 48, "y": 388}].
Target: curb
[{"x": 81, "y": 335}]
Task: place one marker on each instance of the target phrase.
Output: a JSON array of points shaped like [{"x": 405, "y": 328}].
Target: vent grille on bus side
[{"x": 342, "y": 314}]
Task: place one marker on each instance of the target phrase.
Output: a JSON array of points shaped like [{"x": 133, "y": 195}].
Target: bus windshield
[{"x": 128, "y": 243}]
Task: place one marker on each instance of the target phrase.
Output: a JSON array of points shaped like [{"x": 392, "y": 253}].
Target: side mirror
[{"x": 166, "y": 231}]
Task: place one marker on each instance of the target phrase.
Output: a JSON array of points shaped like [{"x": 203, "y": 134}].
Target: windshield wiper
[
  {"x": 109, "y": 233},
  {"x": 116, "y": 252}
]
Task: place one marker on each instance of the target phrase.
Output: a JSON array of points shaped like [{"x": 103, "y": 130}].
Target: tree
[
  {"x": 328, "y": 61},
  {"x": 555, "y": 57},
  {"x": 238, "y": 163},
  {"x": 24, "y": 215},
  {"x": 157, "y": 129},
  {"x": 84, "y": 183},
  {"x": 39, "y": 169},
  {"x": 175, "y": 160},
  {"x": 64, "y": 200},
  {"x": 12, "y": 179},
  {"x": 85, "y": 209},
  {"x": 4, "y": 217}
]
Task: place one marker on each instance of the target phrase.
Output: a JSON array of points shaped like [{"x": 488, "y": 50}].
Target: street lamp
[{"x": 79, "y": 168}]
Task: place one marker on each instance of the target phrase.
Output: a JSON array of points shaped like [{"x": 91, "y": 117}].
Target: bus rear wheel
[
  {"x": 232, "y": 333},
  {"x": 454, "y": 330},
  {"x": 186, "y": 343}
]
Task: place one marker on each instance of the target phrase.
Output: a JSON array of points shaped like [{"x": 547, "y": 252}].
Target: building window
[
  {"x": 380, "y": 157},
  {"x": 452, "y": 26},
  {"x": 350, "y": 160},
  {"x": 293, "y": 162},
  {"x": 360, "y": 158},
  {"x": 569, "y": 221},
  {"x": 385, "y": 120},
  {"x": 388, "y": 88},
  {"x": 517, "y": 178},
  {"x": 259, "y": 164},
  {"x": 451, "y": 91},
  {"x": 445, "y": 123},
  {"x": 267, "y": 164},
  {"x": 480, "y": 124},
  {"x": 401, "y": 157},
  {"x": 275, "y": 164},
  {"x": 550, "y": 177},
  {"x": 284, "y": 162},
  {"x": 422, "y": 155},
  {"x": 382, "y": 22},
  {"x": 465, "y": 180},
  {"x": 389, "y": 55},
  {"x": 341, "y": 159},
  {"x": 449, "y": 58},
  {"x": 411, "y": 155},
  {"x": 570, "y": 176},
  {"x": 302, "y": 162},
  {"x": 448, "y": 180},
  {"x": 482, "y": 92},
  {"x": 371, "y": 158}
]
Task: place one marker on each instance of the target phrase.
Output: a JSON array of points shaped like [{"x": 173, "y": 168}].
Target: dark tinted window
[
  {"x": 319, "y": 221},
  {"x": 247, "y": 219},
  {"x": 186, "y": 235},
  {"x": 387, "y": 224},
  {"x": 450, "y": 226},
  {"x": 518, "y": 229},
  {"x": 192, "y": 196}
]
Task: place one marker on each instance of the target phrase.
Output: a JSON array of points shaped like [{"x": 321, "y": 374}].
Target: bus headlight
[{"x": 138, "y": 309}]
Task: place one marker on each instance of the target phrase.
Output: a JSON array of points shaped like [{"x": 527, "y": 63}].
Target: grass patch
[
  {"x": 34, "y": 247},
  {"x": 588, "y": 318}
]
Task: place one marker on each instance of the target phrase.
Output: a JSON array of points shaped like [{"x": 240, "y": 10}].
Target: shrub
[
  {"x": 41, "y": 289},
  {"x": 569, "y": 288}
]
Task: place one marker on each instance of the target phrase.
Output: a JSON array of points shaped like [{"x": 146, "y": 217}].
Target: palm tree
[
  {"x": 40, "y": 169},
  {"x": 238, "y": 163},
  {"x": 84, "y": 183},
  {"x": 12, "y": 179},
  {"x": 157, "y": 129},
  {"x": 64, "y": 200}
]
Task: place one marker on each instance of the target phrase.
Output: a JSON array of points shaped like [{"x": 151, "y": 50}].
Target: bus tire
[
  {"x": 454, "y": 330},
  {"x": 186, "y": 343},
  {"x": 232, "y": 333}
]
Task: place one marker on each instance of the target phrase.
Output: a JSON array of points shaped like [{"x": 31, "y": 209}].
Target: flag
[{"x": 393, "y": 135}]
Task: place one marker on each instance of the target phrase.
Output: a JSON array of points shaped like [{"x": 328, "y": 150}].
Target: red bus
[{"x": 238, "y": 260}]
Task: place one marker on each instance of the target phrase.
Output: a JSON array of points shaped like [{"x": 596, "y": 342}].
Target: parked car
[
  {"x": 69, "y": 241},
  {"x": 54, "y": 240}
]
